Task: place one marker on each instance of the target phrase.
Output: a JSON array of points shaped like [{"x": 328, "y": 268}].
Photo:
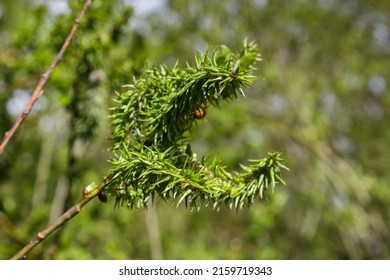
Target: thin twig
[
  {"x": 60, "y": 221},
  {"x": 38, "y": 89}
]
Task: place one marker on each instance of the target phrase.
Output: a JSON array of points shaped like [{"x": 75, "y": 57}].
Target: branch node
[{"x": 40, "y": 236}]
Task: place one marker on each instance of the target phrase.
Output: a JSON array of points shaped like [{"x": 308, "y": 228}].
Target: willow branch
[
  {"x": 60, "y": 221},
  {"x": 38, "y": 89}
]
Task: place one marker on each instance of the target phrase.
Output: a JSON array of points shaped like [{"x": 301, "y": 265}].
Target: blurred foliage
[{"x": 324, "y": 100}]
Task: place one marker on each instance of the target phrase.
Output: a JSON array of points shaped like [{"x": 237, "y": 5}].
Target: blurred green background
[{"x": 323, "y": 99}]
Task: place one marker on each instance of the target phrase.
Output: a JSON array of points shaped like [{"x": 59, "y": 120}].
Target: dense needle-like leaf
[{"x": 152, "y": 149}]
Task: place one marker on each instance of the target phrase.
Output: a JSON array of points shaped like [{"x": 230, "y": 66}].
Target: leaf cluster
[
  {"x": 160, "y": 107},
  {"x": 140, "y": 175},
  {"x": 152, "y": 152}
]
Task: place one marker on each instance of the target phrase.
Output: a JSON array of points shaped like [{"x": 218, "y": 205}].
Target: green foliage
[
  {"x": 153, "y": 154},
  {"x": 323, "y": 99},
  {"x": 160, "y": 108}
]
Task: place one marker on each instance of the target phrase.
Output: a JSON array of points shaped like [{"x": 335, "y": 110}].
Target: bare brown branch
[{"x": 38, "y": 89}]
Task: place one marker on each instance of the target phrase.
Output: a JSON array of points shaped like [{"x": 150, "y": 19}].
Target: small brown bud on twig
[
  {"x": 200, "y": 113},
  {"x": 102, "y": 197}
]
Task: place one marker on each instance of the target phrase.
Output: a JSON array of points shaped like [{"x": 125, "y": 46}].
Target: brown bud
[
  {"x": 102, "y": 197},
  {"x": 200, "y": 113}
]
